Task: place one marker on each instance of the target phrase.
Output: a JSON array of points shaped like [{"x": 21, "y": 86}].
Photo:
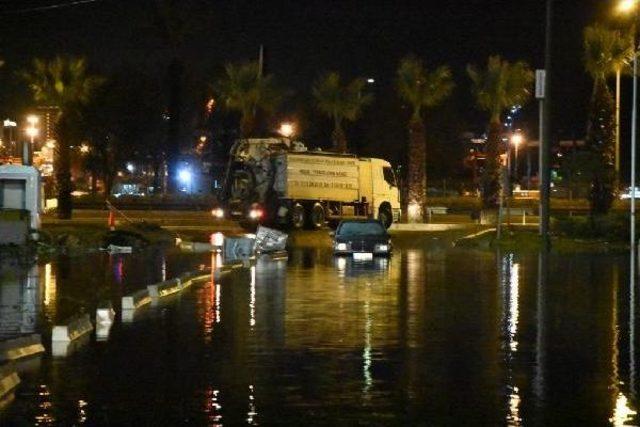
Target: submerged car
[{"x": 361, "y": 238}]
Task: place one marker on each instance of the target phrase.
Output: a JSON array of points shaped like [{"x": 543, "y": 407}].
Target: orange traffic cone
[{"x": 111, "y": 221}]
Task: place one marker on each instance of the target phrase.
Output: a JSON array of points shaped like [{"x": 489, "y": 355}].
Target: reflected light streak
[
  {"x": 514, "y": 311},
  {"x": 622, "y": 413},
  {"x": 82, "y": 413},
  {"x": 212, "y": 406},
  {"x": 514, "y": 419},
  {"x": 49, "y": 285},
  {"x": 216, "y": 261},
  {"x": 252, "y": 298},
  {"x": 252, "y": 412},
  {"x": 366, "y": 353}
]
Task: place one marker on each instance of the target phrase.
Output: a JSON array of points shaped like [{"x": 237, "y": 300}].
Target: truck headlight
[
  {"x": 218, "y": 213},
  {"x": 381, "y": 248},
  {"x": 342, "y": 247}
]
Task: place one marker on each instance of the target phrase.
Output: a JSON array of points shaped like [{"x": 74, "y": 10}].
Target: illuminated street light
[
  {"x": 32, "y": 132},
  {"x": 33, "y": 120},
  {"x": 130, "y": 167},
  {"x": 286, "y": 129},
  {"x": 84, "y": 148},
  {"x": 516, "y": 140},
  {"x": 184, "y": 176},
  {"x": 626, "y": 6}
]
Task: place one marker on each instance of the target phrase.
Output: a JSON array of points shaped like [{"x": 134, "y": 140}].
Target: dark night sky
[{"x": 304, "y": 38}]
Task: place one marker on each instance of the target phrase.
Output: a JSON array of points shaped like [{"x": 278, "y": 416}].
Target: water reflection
[
  {"x": 436, "y": 337},
  {"x": 20, "y": 298},
  {"x": 509, "y": 275}
]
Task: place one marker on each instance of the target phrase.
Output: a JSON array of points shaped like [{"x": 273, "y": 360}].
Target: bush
[{"x": 611, "y": 227}]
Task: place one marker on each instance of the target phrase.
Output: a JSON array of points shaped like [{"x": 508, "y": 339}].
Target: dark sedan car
[{"x": 362, "y": 238}]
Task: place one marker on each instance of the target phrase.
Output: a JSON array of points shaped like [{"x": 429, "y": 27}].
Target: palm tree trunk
[
  {"x": 247, "y": 122},
  {"x": 601, "y": 145},
  {"x": 417, "y": 176},
  {"x": 618, "y": 72},
  {"x": 339, "y": 138},
  {"x": 62, "y": 166},
  {"x": 175, "y": 76},
  {"x": 491, "y": 175}
]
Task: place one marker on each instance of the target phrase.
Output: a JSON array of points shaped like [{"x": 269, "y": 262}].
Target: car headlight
[
  {"x": 255, "y": 213},
  {"x": 342, "y": 246},
  {"x": 382, "y": 248}
]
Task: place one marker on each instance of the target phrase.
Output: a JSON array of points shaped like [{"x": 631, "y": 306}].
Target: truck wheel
[
  {"x": 385, "y": 216},
  {"x": 298, "y": 216},
  {"x": 317, "y": 217}
]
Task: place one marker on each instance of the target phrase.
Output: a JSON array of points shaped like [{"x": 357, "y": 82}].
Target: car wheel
[
  {"x": 317, "y": 217},
  {"x": 298, "y": 216},
  {"x": 385, "y": 216}
]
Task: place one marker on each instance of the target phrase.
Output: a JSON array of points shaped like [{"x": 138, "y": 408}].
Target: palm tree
[
  {"x": 606, "y": 52},
  {"x": 173, "y": 26},
  {"x": 496, "y": 88},
  {"x": 421, "y": 89},
  {"x": 244, "y": 89},
  {"x": 64, "y": 83},
  {"x": 340, "y": 102}
]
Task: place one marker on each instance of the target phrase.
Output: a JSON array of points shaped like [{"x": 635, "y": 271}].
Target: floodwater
[{"x": 431, "y": 336}]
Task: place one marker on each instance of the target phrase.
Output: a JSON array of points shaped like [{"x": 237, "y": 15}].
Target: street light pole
[
  {"x": 634, "y": 124},
  {"x": 545, "y": 140}
]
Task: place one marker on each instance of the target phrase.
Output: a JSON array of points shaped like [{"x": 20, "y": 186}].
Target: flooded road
[{"x": 431, "y": 336}]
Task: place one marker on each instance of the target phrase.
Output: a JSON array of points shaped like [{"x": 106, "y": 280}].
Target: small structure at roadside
[{"x": 20, "y": 203}]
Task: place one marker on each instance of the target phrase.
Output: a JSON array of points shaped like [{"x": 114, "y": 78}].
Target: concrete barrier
[
  {"x": 227, "y": 269},
  {"x": 197, "y": 247},
  {"x": 21, "y": 347},
  {"x": 136, "y": 300},
  {"x": 67, "y": 348},
  {"x": 9, "y": 380},
  {"x": 105, "y": 313},
  {"x": 162, "y": 289},
  {"x": 72, "y": 328},
  {"x": 275, "y": 256},
  {"x": 188, "y": 279}
]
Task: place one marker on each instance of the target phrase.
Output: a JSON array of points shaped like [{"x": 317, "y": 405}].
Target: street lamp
[
  {"x": 287, "y": 129},
  {"x": 32, "y": 120},
  {"x": 516, "y": 140},
  {"x": 32, "y": 133},
  {"x": 628, "y": 7},
  {"x": 8, "y": 123}
]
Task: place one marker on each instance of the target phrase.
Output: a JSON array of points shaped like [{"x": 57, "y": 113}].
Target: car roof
[{"x": 360, "y": 221}]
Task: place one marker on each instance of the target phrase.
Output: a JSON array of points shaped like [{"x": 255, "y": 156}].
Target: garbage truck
[{"x": 279, "y": 182}]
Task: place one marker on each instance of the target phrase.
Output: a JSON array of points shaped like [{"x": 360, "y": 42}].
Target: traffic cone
[{"x": 111, "y": 221}]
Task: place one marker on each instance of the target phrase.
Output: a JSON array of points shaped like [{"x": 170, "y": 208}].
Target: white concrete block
[
  {"x": 105, "y": 313},
  {"x": 21, "y": 347},
  {"x": 9, "y": 380},
  {"x": 72, "y": 328},
  {"x": 162, "y": 289},
  {"x": 136, "y": 300},
  {"x": 102, "y": 331},
  {"x": 128, "y": 315}
]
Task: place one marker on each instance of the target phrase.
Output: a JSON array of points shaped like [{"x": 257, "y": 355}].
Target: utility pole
[{"x": 545, "y": 140}]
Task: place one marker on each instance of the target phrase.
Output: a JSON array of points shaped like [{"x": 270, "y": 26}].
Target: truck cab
[{"x": 379, "y": 185}]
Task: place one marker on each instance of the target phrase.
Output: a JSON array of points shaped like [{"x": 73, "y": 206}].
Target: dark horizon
[{"x": 303, "y": 40}]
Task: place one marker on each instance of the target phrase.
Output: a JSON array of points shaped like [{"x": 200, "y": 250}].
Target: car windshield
[{"x": 361, "y": 229}]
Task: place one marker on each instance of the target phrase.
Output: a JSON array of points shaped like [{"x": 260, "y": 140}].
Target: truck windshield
[
  {"x": 389, "y": 176},
  {"x": 361, "y": 229}
]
